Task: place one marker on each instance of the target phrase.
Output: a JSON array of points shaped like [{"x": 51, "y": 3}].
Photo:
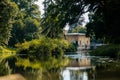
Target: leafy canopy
[
  {"x": 8, "y": 11},
  {"x": 27, "y": 23}
]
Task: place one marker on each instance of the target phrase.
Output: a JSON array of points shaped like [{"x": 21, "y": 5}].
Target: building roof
[{"x": 83, "y": 34}]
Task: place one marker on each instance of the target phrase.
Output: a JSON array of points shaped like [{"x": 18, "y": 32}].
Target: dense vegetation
[
  {"x": 26, "y": 23},
  {"x": 7, "y": 8},
  {"x": 42, "y": 48},
  {"x": 78, "y": 29},
  {"x": 112, "y": 51},
  {"x": 104, "y": 17}
]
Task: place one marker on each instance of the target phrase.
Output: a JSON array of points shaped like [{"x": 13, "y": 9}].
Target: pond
[
  {"x": 97, "y": 68},
  {"x": 72, "y": 73},
  {"x": 81, "y": 67}
]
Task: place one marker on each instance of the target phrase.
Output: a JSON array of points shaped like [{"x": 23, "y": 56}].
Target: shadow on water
[{"x": 108, "y": 71}]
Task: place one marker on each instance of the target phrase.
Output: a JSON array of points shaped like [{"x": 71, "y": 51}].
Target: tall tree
[
  {"x": 60, "y": 12},
  {"x": 106, "y": 23},
  {"x": 69, "y": 11},
  {"x": 96, "y": 26},
  {"x": 27, "y": 24},
  {"x": 8, "y": 11}
]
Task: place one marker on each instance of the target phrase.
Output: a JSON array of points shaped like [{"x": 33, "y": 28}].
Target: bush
[
  {"x": 111, "y": 51},
  {"x": 42, "y": 48},
  {"x": 71, "y": 48},
  {"x": 41, "y": 53}
]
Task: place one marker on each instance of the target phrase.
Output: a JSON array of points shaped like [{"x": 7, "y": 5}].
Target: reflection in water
[
  {"x": 66, "y": 75},
  {"x": 85, "y": 76},
  {"x": 78, "y": 68},
  {"x": 74, "y": 74}
]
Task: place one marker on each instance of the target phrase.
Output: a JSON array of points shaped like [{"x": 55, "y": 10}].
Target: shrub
[
  {"x": 111, "y": 51},
  {"x": 42, "y": 48},
  {"x": 42, "y": 52},
  {"x": 71, "y": 48}
]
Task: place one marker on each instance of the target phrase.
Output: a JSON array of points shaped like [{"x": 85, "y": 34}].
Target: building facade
[{"x": 80, "y": 39}]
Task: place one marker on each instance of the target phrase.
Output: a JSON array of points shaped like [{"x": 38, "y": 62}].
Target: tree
[
  {"x": 96, "y": 26},
  {"x": 69, "y": 11},
  {"x": 31, "y": 29},
  {"x": 59, "y": 12},
  {"x": 17, "y": 33},
  {"x": 106, "y": 23},
  {"x": 27, "y": 23},
  {"x": 7, "y": 14},
  {"x": 79, "y": 29}
]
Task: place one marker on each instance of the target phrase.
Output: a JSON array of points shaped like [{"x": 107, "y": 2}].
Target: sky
[{"x": 41, "y": 7}]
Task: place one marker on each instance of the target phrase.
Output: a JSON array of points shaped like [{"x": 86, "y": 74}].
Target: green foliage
[
  {"x": 96, "y": 26},
  {"x": 104, "y": 24},
  {"x": 71, "y": 48},
  {"x": 27, "y": 23},
  {"x": 31, "y": 29},
  {"x": 51, "y": 27},
  {"x": 29, "y": 8},
  {"x": 111, "y": 51},
  {"x": 42, "y": 53},
  {"x": 105, "y": 20},
  {"x": 4, "y": 68},
  {"x": 17, "y": 32},
  {"x": 58, "y": 13},
  {"x": 7, "y": 14},
  {"x": 79, "y": 29},
  {"x": 43, "y": 47}
]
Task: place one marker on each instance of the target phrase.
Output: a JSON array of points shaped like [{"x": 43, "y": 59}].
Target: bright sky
[
  {"x": 41, "y": 7},
  {"x": 86, "y": 18}
]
